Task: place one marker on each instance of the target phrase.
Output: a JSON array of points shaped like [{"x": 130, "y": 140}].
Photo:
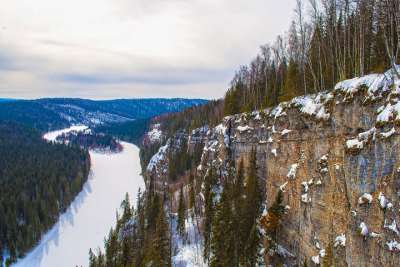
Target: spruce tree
[
  {"x": 161, "y": 242},
  {"x": 209, "y": 206},
  {"x": 191, "y": 194},
  {"x": 92, "y": 259},
  {"x": 223, "y": 231},
  {"x": 180, "y": 227},
  {"x": 127, "y": 209},
  {"x": 252, "y": 209},
  {"x": 253, "y": 246},
  {"x": 238, "y": 212},
  {"x": 274, "y": 217}
]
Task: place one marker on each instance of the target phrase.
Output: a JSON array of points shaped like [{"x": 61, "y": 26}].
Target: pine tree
[
  {"x": 161, "y": 241},
  {"x": 92, "y": 259},
  {"x": 209, "y": 183},
  {"x": 253, "y": 246},
  {"x": 223, "y": 232},
  {"x": 180, "y": 227},
  {"x": 274, "y": 217},
  {"x": 252, "y": 209},
  {"x": 127, "y": 210},
  {"x": 238, "y": 213},
  {"x": 192, "y": 199}
]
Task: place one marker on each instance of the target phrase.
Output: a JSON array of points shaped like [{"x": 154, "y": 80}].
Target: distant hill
[
  {"x": 7, "y": 99},
  {"x": 52, "y": 113}
]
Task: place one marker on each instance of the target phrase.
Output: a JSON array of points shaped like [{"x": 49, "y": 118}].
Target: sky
[{"x": 104, "y": 49}]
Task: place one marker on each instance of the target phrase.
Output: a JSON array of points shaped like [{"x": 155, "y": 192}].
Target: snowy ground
[
  {"x": 51, "y": 136},
  {"x": 92, "y": 213},
  {"x": 187, "y": 251}
]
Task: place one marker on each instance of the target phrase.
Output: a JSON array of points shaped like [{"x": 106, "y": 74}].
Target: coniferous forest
[
  {"x": 38, "y": 181},
  {"x": 328, "y": 41}
]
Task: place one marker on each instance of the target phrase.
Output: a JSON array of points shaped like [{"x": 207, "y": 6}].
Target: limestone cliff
[{"x": 336, "y": 158}]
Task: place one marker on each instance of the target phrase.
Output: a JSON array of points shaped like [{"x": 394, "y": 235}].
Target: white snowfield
[
  {"x": 51, "y": 136},
  {"x": 91, "y": 215}
]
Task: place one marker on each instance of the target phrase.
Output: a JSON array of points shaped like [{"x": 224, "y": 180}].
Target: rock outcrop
[{"x": 336, "y": 158}]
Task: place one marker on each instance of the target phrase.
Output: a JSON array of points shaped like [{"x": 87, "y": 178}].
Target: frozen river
[{"x": 91, "y": 215}]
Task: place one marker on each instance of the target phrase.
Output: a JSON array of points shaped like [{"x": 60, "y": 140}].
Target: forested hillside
[
  {"x": 281, "y": 180},
  {"x": 49, "y": 114},
  {"x": 328, "y": 41},
  {"x": 38, "y": 180}
]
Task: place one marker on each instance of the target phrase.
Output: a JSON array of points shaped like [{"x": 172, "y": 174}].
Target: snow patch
[
  {"x": 292, "y": 171},
  {"x": 244, "y": 128},
  {"x": 340, "y": 240},
  {"x": 393, "y": 245},
  {"x": 365, "y": 198},
  {"x": 52, "y": 136},
  {"x": 363, "y": 229}
]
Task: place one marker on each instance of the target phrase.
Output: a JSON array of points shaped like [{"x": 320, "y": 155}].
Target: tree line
[{"x": 328, "y": 41}]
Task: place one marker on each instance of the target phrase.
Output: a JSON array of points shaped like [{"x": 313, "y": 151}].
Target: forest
[
  {"x": 38, "y": 181},
  {"x": 92, "y": 141},
  {"x": 131, "y": 131},
  {"x": 328, "y": 41}
]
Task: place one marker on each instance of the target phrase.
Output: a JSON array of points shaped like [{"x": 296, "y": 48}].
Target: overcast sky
[{"x": 105, "y": 49}]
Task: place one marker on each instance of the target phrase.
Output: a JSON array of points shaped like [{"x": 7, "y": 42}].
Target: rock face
[{"x": 336, "y": 157}]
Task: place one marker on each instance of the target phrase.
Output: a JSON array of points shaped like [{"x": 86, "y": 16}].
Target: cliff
[{"x": 335, "y": 157}]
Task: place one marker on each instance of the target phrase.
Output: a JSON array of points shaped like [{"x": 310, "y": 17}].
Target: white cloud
[{"x": 131, "y": 48}]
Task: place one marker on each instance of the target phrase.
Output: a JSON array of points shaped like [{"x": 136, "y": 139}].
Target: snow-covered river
[{"x": 91, "y": 215}]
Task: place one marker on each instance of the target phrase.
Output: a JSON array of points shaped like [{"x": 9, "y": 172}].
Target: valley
[{"x": 92, "y": 213}]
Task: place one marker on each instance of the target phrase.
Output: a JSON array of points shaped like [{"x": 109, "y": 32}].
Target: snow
[
  {"x": 324, "y": 158},
  {"x": 316, "y": 259},
  {"x": 189, "y": 250},
  {"x": 365, "y": 198},
  {"x": 393, "y": 245},
  {"x": 340, "y": 240},
  {"x": 222, "y": 129},
  {"x": 388, "y": 112},
  {"x": 392, "y": 227},
  {"x": 278, "y": 111},
  {"x": 244, "y": 128},
  {"x": 159, "y": 156},
  {"x": 92, "y": 213},
  {"x": 364, "y": 136},
  {"x": 373, "y": 234},
  {"x": 305, "y": 185},
  {"x": 354, "y": 143},
  {"x": 389, "y": 133},
  {"x": 312, "y": 105},
  {"x": 51, "y": 136},
  {"x": 273, "y": 151},
  {"x": 373, "y": 82},
  {"x": 282, "y": 187},
  {"x": 155, "y": 134},
  {"x": 292, "y": 171},
  {"x": 361, "y": 140},
  {"x": 270, "y": 140},
  {"x": 383, "y": 201},
  {"x": 285, "y": 131},
  {"x": 363, "y": 229}
]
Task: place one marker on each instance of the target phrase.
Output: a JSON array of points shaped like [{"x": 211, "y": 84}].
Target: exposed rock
[{"x": 346, "y": 142}]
